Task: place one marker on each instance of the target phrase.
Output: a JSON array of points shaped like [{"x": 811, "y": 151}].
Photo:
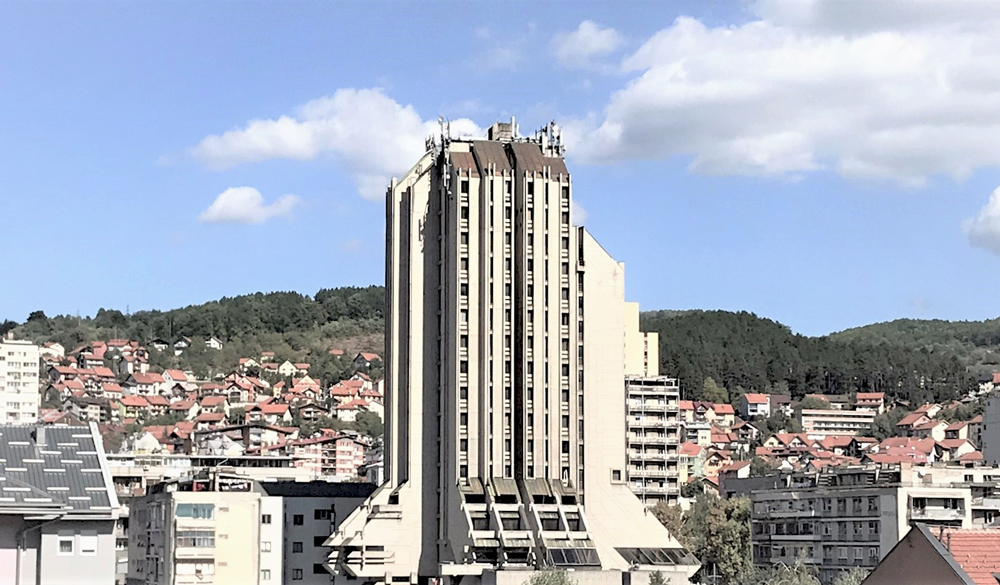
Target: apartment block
[
  {"x": 841, "y": 518},
  {"x": 653, "y": 438},
  {"x": 826, "y": 423},
  {"x": 229, "y": 529},
  {"x": 19, "y": 389},
  {"x": 506, "y": 351}
]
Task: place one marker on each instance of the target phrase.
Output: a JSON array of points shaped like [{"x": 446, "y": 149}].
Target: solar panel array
[{"x": 61, "y": 471}]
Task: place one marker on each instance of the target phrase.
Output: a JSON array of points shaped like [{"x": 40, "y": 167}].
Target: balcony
[{"x": 938, "y": 514}]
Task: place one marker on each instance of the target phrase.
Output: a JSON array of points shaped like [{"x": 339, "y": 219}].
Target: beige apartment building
[
  {"x": 828, "y": 423},
  {"x": 841, "y": 518},
  {"x": 18, "y": 381},
  {"x": 505, "y": 401}
]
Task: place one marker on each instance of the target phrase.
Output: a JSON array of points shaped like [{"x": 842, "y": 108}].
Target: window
[
  {"x": 296, "y": 547},
  {"x": 465, "y": 212},
  {"x": 65, "y": 545},
  {"x": 321, "y": 514},
  {"x": 200, "y": 511},
  {"x": 616, "y": 475},
  {"x": 319, "y": 540},
  {"x": 265, "y": 574},
  {"x": 297, "y": 519},
  {"x": 318, "y": 569},
  {"x": 88, "y": 545},
  {"x": 265, "y": 519},
  {"x": 196, "y": 538},
  {"x": 265, "y": 546}
]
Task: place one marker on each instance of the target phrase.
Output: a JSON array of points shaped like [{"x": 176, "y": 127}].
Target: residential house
[
  {"x": 158, "y": 405},
  {"x": 133, "y": 407},
  {"x": 172, "y": 377},
  {"x": 188, "y": 408},
  {"x": 269, "y": 413},
  {"x": 145, "y": 384},
  {"x": 953, "y": 449},
  {"x": 348, "y": 411},
  {"x": 957, "y": 430},
  {"x": 690, "y": 462},
  {"x": 181, "y": 344},
  {"x": 52, "y": 350},
  {"x": 215, "y": 403},
  {"x": 716, "y": 460},
  {"x": 907, "y": 424},
  {"x": 213, "y": 343},
  {"x": 753, "y": 405},
  {"x": 266, "y": 356},
  {"x": 931, "y": 410},
  {"x": 158, "y": 344},
  {"x": 366, "y": 359},
  {"x": 870, "y": 401},
  {"x": 206, "y": 420},
  {"x": 311, "y": 411},
  {"x": 934, "y": 429},
  {"x": 88, "y": 408}
]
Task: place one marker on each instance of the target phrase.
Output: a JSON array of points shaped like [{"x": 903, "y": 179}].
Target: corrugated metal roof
[
  {"x": 488, "y": 153},
  {"x": 529, "y": 158},
  {"x": 63, "y": 470}
]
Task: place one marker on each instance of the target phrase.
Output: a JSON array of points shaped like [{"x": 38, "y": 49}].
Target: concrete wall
[{"x": 77, "y": 569}]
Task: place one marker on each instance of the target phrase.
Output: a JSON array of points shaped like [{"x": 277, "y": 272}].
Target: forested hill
[
  {"x": 744, "y": 352},
  {"x": 741, "y": 351},
  {"x": 293, "y": 325}
]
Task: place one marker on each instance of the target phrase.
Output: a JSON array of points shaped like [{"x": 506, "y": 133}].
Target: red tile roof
[
  {"x": 157, "y": 401},
  {"x": 686, "y": 405},
  {"x": 975, "y": 550},
  {"x": 957, "y": 426},
  {"x": 911, "y": 419},
  {"x": 756, "y": 398},
  {"x": 211, "y": 401},
  {"x": 370, "y": 357},
  {"x": 150, "y": 378},
  {"x": 176, "y": 375},
  {"x": 103, "y": 372},
  {"x": 871, "y": 395},
  {"x": 182, "y": 405},
  {"x": 134, "y": 401},
  {"x": 690, "y": 449},
  {"x": 971, "y": 456},
  {"x": 723, "y": 409},
  {"x": 210, "y": 417}
]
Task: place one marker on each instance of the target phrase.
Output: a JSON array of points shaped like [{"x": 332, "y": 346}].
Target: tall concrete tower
[{"x": 505, "y": 347}]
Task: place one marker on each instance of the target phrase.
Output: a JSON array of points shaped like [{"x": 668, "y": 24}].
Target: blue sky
[{"x": 807, "y": 161}]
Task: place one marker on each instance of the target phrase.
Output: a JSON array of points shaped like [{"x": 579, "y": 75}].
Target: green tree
[
  {"x": 550, "y": 577},
  {"x": 672, "y": 517},
  {"x": 657, "y": 578},
  {"x": 712, "y": 392},
  {"x": 855, "y": 576},
  {"x": 370, "y": 424},
  {"x": 814, "y": 403},
  {"x": 760, "y": 467},
  {"x": 237, "y": 415}
]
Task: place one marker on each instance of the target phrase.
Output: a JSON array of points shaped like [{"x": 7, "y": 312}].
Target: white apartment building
[
  {"x": 841, "y": 518},
  {"x": 228, "y": 529},
  {"x": 827, "y": 423},
  {"x": 653, "y": 438},
  {"x": 19, "y": 365},
  {"x": 505, "y": 403}
]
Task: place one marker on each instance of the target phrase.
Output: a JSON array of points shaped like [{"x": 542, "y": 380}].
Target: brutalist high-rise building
[{"x": 505, "y": 419}]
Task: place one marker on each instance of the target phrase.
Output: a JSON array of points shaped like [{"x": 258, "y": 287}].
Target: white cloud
[
  {"x": 580, "y": 47},
  {"x": 578, "y": 213},
  {"x": 983, "y": 231},
  {"x": 894, "y": 90},
  {"x": 246, "y": 205},
  {"x": 372, "y": 136}
]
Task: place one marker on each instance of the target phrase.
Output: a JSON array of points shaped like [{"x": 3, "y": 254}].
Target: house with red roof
[
  {"x": 933, "y": 429},
  {"x": 133, "y": 407},
  {"x": 172, "y": 377},
  {"x": 953, "y": 449},
  {"x": 366, "y": 359},
  {"x": 941, "y": 556},
  {"x": 188, "y": 408},
  {"x": 269, "y": 413},
  {"x": 148, "y": 383},
  {"x": 870, "y": 401},
  {"x": 907, "y": 423},
  {"x": 348, "y": 411},
  {"x": 207, "y": 420},
  {"x": 957, "y": 430},
  {"x": 752, "y": 405},
  {"x": 214, "y": 403}
]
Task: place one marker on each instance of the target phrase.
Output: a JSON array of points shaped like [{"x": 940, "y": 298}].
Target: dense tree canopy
[{"x": 761, "y": 355}]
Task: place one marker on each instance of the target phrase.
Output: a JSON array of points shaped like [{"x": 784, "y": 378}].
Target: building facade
[
  {"x": 19, "y": 365},
  {"x": 653, "y": 438},
  {"x": 221, "y": 528},
  {"x": 841, "y": 518},
  {"x": 505, "y": 406},
  {"x": 826, "y": 423}
]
